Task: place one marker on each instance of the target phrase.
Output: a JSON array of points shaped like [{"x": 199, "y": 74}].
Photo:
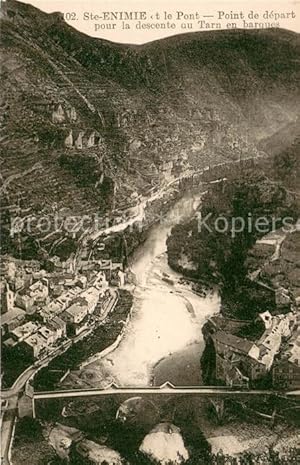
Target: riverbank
[
  {"x": 254, "y": 276},
  {"x": 185, "y": 361},
  {"x": 16, "y": 368},
  {"x": 166, "y": 319},
  {"x": 157, "y": 214},
  {"x": 97, "y": 419}
]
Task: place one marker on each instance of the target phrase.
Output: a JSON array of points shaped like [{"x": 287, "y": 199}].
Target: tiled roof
[
  {"x": 11, "y": 315},
  {"x": 237, "y": 343}
]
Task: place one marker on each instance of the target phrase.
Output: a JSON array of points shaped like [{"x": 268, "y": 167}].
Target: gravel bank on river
[
  {"x": 105, "y": 335},
  {"x": 163, "y": 334},
  {"x": 166, "y": 318}
]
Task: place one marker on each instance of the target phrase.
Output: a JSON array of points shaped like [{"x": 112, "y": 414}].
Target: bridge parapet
[
  {"x": 215, "y": 394},
  {"x": 167, "y": 388}
]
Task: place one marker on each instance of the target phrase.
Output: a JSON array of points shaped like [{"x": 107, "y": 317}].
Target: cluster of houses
[
  {"x": 34, "y": 339},
  {"x": 41, "y": 310},
  {"x": 276, "y": 354},
  {"x": 286, "y": 367}
]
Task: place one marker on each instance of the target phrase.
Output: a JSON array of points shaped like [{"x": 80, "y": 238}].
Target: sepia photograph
[{"x": 150, "y": 232}]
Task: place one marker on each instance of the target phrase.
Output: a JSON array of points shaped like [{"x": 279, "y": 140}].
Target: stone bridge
[{"x": 215, "y": 394}]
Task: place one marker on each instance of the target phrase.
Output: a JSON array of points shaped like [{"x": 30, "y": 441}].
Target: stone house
[
  {"x": 36, "y": 294},
  {"x": 75, "y": 316},
  {"x": 50, "y": 311},
  {"x": 7, "y": 298},
  {"x": 228, "y": 372},
  {"x": 286, "y": 367},
  {"x": 49, "y": 333},
  {"x": 22, "y": 332},
  {"x": 76, "y": 312},
  {"x": 58, "y": 325},
  {"x": 11, "y": 320},
  {"x": 282, "y": 298},
  {"x": 286, "y": 373},
  {"x": 278, "y": 329},
  {"x": 236, "y": 359},
  {"x": 35, "y": 345}
]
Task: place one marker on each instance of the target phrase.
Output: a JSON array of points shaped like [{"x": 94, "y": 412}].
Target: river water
[{"x": 163, "y": 340}]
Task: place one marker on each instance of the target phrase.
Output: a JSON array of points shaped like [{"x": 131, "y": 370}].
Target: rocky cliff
[{"x": 209, "y": 247}]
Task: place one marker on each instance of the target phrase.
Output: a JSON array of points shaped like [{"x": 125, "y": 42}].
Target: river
[{"x": 163, "y": 340}]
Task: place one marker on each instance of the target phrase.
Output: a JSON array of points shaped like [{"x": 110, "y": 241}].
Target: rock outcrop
[
  {"x": 98, "y": 454},
  {"x": 164, "y": 444}
]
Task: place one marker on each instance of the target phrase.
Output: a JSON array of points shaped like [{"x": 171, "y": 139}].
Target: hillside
[
  {"x": 88, "y": 124},
  {"x": 222, "y": 246}
]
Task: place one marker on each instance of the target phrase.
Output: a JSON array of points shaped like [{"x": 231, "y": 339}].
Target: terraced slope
[{"x": 88, "y": 124}]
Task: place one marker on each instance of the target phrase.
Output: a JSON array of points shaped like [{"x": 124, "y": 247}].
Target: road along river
[{"x": 163, "y": 339}]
